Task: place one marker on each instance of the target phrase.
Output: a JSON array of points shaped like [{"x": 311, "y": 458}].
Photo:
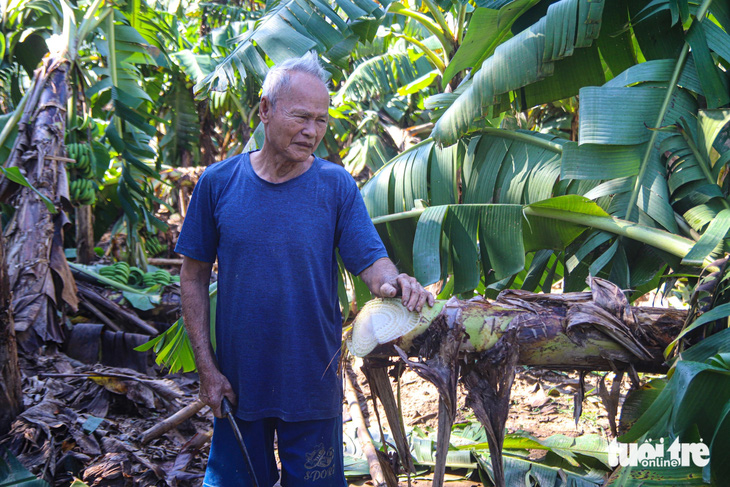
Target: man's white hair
[{"x": 278, "y": 79}]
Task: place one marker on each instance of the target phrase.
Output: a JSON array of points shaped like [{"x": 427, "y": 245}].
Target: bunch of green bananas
[
  {"x": 84, "y": 157},
  {"x": 154, "y": 246},
  {"x": 118, "y": 272},
  {"x": 160, "y": 276},
  {"x": 82, "y": 122},
  {"x": 82, "y": 192},
  {"x": 136, "y": 276}
]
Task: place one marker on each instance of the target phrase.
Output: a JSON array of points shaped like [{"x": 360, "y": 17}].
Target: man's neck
[{"x": 275, "y": 169}]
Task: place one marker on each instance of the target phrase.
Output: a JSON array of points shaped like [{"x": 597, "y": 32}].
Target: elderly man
[{"x": 274, "y": 219}]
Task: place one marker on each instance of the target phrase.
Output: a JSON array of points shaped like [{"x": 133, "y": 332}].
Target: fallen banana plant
[{"x": 481, "y": 342}]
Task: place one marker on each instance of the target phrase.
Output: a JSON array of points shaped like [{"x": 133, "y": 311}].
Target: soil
[{"x": 541, "y": 404}]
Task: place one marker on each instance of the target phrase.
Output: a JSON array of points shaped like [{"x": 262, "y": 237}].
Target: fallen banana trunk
[
  {"x": 566, "y": 331},
  {"x": 482, "y": 341}
]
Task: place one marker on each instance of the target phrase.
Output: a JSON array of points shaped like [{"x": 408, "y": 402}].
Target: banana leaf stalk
[{"x": 595, "y": 330}]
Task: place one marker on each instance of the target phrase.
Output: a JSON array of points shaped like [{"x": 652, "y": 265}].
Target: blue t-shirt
[{"x": 278, "y": 321}]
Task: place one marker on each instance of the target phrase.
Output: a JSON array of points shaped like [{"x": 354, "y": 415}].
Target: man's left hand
[{"x": 414, "y": 296}]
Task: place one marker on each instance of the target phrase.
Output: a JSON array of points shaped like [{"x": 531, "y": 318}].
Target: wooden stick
[
  {"x": 198, "y": 441},
  {"x": 102, "y": 317},
  {"x": 113, "y": 307},
  {"x": 49, "y": 157},
  {"x": 363, "y": 435},
  {"x": 172, "y": 422},
  {"x": 161, "y": 261}
]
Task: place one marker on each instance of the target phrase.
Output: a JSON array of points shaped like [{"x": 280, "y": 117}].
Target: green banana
[
  {"x": 86, "y": 122},
  {"x": 83, "y": 156},
  {"x": 154, "y": 246},
  {"x": 136, "y": 276},
  {"x": 82, "y": 192},
  {"x": 119, "y": 272},
  {"x": 159, "y": 277}
]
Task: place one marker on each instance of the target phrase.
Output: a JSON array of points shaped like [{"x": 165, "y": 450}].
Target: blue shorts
[{"x": 310, "y": 452}]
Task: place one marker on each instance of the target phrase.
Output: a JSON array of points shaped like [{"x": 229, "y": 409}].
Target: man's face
[{"x": 297, "y": 124}]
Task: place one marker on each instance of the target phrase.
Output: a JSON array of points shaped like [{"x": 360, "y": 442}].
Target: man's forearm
[
  {"x": 194, "y": 279},
  {"x": 382, "y": 271},
  {"x": 196, "y": 313}
]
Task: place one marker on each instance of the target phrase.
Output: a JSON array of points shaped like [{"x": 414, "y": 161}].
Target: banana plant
[
  {"x": 494, "y": 180},
  {"x": 41, "y": 283},
  {"x": 291, "y": 28},
  {"x": 233, "y": 110},
  {"x": 376, "y": 105},
  {"x": 458, "y": 37},
  {"x": 76, "y": 38},
  {"x": 630, "y": 129}
]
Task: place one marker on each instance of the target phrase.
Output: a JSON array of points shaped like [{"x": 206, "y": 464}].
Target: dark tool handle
[
  {"x": 226, "y": 406},
  {"x": 227, "y": 410}
]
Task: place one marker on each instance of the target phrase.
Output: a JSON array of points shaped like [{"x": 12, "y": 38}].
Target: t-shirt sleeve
[
  {"x": 358, "y": 241},
  {"x": 199, "y": 234}
]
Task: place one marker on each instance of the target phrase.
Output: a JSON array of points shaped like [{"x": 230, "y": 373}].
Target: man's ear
[{"x": 265, "y": 109}]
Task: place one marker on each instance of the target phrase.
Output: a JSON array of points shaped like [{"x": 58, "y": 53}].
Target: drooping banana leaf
[
  {"x": 693, "y": 400},
  {"x": 183, "y": 127},
  {"x": 488, "y": 28},
  {"x": 288, "y": 28},
  {"x": 368, "y": 151},
  {"x": 656, "y": 477},
  {"x": 693, "y": 179},
  {"x": 498, "y": 168},
  {"x": 692, "y": 405},
  {"x": 526, "y": 58},
  {"x": 520, "y": 470},
  {"x": 381, "y": 75},
  {"x": 131, "y": 130}
]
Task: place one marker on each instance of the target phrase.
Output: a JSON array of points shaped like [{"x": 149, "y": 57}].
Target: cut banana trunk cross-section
[{"x": 383, "y": 321}]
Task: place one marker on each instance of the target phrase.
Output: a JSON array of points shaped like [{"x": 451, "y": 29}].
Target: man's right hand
[{"x": 213, "y": 387}]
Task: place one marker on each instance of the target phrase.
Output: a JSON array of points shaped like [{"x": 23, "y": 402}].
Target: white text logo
[{"x": 653, "y": 454}]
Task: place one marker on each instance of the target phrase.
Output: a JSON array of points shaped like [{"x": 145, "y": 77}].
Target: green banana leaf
[
  {"x": 382, "y": 75},
  {"x": 691, "y": 405},
  {"x": 424, "y": 453},
  {"x": 488, "y": 28},
  {"x": 14, "y": 175},
  {"x": 528, "y": 57},
  {"x": 520, "y": 470},
  {"x": 172, "y": 348},
  {"x": 453, "y": 231},
  {"x": 14, "y": 474},
  {"x": 368, "y": 151},
  {"x": 638, "y": 401},
  {"x": 287, "y": 29},
  {"x": 656, "y": 477}
]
